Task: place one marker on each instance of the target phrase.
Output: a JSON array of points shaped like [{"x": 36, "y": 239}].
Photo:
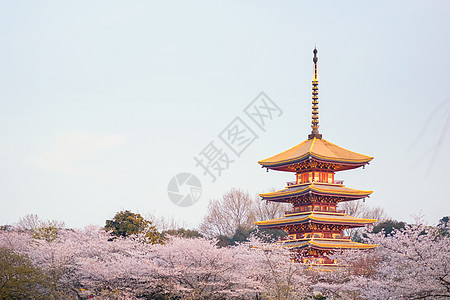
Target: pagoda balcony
[
  {"x": 289, "y": 212},
  {"x": 341, "y": 211},
  {"x": 291, "y": 183},
  {"x": 291, "y": 238}
]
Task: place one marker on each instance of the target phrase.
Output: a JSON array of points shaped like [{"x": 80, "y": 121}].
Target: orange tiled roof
[
  {"x": 315, "y": 217},
  {"x": 318, "y": 149},
  {"x": 321, "y": 243},
  {"x": 315, "y": 188}
]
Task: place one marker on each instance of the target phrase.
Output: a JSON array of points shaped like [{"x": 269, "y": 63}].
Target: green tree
[
  {"x": 19, "y": 279},
  {"x": 240, "y": 235},
  {"x": 126, "y": 223},
  {"x": 223, "y": 241},
  {"x": 269, "y": 235},
  {"x": 47, "y": 232},
  {"x": 388, "y": 226},
  {"x": 185, "y": 233},
  {"x": 444, "y": 226},
  {"x": 6, "y": 227},
  {"x": 40, "y": 229}
]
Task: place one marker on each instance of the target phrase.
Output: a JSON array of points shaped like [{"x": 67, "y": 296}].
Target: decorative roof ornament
[{"x": 315, "y": 100}]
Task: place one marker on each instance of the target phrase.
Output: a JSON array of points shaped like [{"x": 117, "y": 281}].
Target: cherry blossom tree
[
  {"x": 280, "y": 277},
  {"x": 87, "y": 262},
  {"x": 19, "y": 279},
  {"x": 411, "y": 263}
]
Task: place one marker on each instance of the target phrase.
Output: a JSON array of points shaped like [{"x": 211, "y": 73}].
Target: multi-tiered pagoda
[{"x": 315, "y": 225}]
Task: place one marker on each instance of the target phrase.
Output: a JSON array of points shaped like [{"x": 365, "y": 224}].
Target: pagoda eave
[
  {"x": 326, "y": 244},
  {"x": 327, "y": 190},
  {"x": 315, "y": 218},
  {"x": 315, "y": 154},
  {"x": 342, "y": 197},
  {"x": 305, "y": 163},
  {"x": 283, "y": 226}
]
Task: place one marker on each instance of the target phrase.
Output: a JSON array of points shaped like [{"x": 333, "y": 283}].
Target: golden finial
[{"x": 315, "y": 100}]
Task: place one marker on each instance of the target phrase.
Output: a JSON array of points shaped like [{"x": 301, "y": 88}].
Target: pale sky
[{"x": 103, "y": 102}]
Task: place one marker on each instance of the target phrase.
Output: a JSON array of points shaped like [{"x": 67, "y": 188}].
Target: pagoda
[{"x": 314, "y": 225}]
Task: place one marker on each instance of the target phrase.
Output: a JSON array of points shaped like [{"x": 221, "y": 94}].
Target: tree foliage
[
  {"x": 444, "y": 226},
  {"x": 409, "y": 263},
  {"x": 388, "y": 226},
  {"x": 126, "y": 223},
  {"x": 40, "y": 229},
  {"x": 19, "y": 278},
  {"x": 242, "y": 235},
  {"x": 89, "y": 263},
  {"x": 182, "y": 232},
  {"x": 269, "y": 235}
]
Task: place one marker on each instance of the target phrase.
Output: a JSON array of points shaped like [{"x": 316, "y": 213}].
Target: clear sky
[{"x": 103, "y": 102}]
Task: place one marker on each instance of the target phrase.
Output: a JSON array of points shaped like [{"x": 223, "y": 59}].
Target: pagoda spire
[{"x": 315, "y": 100}]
